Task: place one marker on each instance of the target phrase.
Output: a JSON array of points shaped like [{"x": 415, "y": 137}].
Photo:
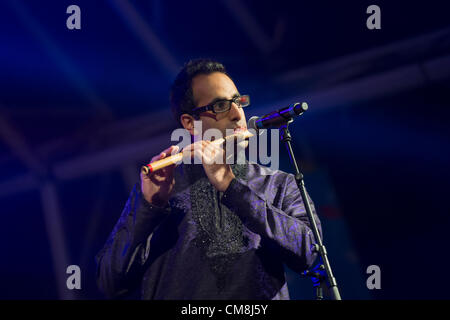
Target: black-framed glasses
[{"x": 224, "y": 105}]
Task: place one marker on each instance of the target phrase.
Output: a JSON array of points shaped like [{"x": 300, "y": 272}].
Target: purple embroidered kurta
[{"x": 207, "y": 244}]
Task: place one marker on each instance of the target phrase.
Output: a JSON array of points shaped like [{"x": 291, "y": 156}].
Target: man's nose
[{"x": 235, "y": 113}]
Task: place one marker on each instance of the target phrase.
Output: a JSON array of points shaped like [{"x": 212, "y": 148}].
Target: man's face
[{"x": 207, "y": 89}]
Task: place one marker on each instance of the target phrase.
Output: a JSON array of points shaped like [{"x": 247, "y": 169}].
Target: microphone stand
[{"x": 319, "y": 246}]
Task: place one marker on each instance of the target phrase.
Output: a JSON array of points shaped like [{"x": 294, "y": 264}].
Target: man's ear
[{"x": 187, "y": 122}]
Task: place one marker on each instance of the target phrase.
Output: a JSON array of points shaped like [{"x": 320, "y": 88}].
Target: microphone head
[{"x": 252, "y": 123}]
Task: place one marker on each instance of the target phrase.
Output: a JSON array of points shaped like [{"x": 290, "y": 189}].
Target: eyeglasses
[{"x": 224, "y": 105}]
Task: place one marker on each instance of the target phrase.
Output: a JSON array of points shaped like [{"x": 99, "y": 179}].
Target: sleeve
[
  {"x": 286, "y": 226},
  {"x": 120, "y": 261}
]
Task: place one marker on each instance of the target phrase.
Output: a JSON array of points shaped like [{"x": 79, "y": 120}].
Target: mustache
[{"x": 244, "y": 127}]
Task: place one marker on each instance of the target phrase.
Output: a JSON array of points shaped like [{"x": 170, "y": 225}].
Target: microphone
[{"x": 276, "y": 119}]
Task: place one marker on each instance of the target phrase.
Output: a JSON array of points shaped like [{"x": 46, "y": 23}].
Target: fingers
[
  {"x": 167, "y": 152},
  {"x": 212, "y": 153},
  {"x": 205, "y": 151},
  {"x": 171, "y": 150}
]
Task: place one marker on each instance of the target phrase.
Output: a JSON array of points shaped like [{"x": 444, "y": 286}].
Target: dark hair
[{"x": 181, "y": 96}]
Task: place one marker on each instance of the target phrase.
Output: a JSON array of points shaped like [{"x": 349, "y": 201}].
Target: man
[{"x": 209, "y": 230}]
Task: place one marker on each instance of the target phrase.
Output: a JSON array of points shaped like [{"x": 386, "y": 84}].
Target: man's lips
[{"x": 240, "y": 129}]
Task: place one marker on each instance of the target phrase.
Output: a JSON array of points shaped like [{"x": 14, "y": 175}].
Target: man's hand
[
  {"x": 212, "y": 156},
  {"x": 157, "y": 186}
]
